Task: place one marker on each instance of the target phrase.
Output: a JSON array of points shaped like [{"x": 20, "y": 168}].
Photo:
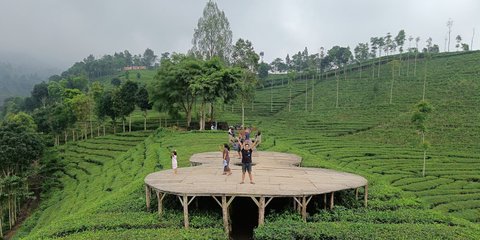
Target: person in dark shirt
[{"x": 246, "y": 161}]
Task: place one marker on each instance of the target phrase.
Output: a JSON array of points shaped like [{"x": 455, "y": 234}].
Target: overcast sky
[{"x": 61, "y": 32}]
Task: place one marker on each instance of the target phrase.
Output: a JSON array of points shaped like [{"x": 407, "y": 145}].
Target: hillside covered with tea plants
[{"x": 102, "y": 185}]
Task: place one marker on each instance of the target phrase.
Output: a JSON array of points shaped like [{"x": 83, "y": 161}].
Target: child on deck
[{"x": 174, "y": 161}]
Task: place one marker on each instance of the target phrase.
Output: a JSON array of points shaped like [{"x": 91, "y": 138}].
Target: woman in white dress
[{"x": 174, "y": 161}]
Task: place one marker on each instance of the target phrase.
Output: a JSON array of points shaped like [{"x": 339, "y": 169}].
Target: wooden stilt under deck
[
  {"x": 303, "y": 205},
  {"x": 261, "y": 211},
  {"x": 225, "y": 204},
  {"x": 366, "y": 195},
  {"x": 261, "y": 204},
  {"x": 331, "y": 200},
  {"x": 304, "y": 208},
  {"x": 325, "y": 201},
  {"x": 160, "y": 197},
  {"x": 298, "y": 204},
  {"x": 185, "y": 202},
  {"x": 305, "y": 202},
  {"x": 147, "y": 196}
]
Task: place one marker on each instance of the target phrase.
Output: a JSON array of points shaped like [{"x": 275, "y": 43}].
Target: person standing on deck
[
  {"x": 246, "y": 161},
  {"x": 231, "y": 135},
  {"x": 174, "y": 161},
  {"x": 226, "y": 160}
]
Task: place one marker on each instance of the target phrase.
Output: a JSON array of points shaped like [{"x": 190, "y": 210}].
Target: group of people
[{"x": 244, "y": 146}]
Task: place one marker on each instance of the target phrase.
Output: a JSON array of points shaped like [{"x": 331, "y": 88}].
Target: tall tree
[
  {"x": 388, "y": 44},
  {"x": 339, "y": 57},
  {"x": 400, "y": 41},
  {"x": 419, "y": 119},
  {"x": 410, "y": 39},
  {"x": 106, "y": 108},
  {"x": 82, "y": 107},
  {"x": 459, "y": 42},
  {"x": 60, "y": 117},
  {"x": 428, "y": 48},
  {"x": 449, "y": 26},
  {"x": 40, "y": 93},
  {"x": 149, "y": 58},
  {"x": 278, "y": 66},
  {"x": 245, "y": 57},
  {"x": 143, "y": 102},
  {"x": 263, "y": 69},
  {"x": 55, "y": 92},
  {"x": 373, "y": 54},
  {"x": 246, "y": 90},
  {"x": 213, "y": 36},
  {"x": 103, "y": 105},
  {"x": 69, "y": 94},
  {"x": 170, "y": 91},
  {"x": 381, "y": 45},
  {"x": 128, "y": 58},
  {"x": 321, "y": 64},
  {"x": 417, "y": 40},
  {"x": 124, "y": 102},
  {"x": 288, "y": 62},
  {"x": 205, "y": 84},
  {"x": 291, "y": 78},
  {"x": 361, "y": 54},
  {"x": 394, "y": 64}
]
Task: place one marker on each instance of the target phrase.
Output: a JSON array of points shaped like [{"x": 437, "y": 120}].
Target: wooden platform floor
[{"x": 275, "y": 175}]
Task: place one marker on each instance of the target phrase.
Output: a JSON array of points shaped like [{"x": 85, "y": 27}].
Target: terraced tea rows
[
  {"x": 379, "y": 139},
  {"x": 103, "y": 193}
]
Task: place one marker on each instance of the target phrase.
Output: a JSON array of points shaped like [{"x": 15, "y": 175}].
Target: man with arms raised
[{"x": 246, "y": 160}]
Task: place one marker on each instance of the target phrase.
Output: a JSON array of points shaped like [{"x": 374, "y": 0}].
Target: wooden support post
[
  {"x": 298, "y": 205},
  {"x": 366, "y": 195},
  {"x": 185, "y": 203},
  {"x": 356, "y": 193},
  {"x": 331, "y": 200},
  {"x": 261, "y": 211},
  {"x": 160, "y": 197},
  {"x": 304, "y": 208},
  {"x": 147, "y": 196},
  {"x": 225, "y": 204},
  {"x": 226, "y": 224},
  {"x": 325, "y": 201}
]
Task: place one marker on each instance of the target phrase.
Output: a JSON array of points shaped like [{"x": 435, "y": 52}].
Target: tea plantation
[{"x": 103, "y": 198}]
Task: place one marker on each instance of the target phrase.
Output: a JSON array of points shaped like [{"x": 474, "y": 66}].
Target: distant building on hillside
[{"x": 134, "y": 68}]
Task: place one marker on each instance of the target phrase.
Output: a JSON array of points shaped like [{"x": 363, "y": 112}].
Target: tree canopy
[{"x": 213, "y": 36}]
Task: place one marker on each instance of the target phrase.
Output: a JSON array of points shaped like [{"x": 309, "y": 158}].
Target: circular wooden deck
[{"x": 275, "y": 175}]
